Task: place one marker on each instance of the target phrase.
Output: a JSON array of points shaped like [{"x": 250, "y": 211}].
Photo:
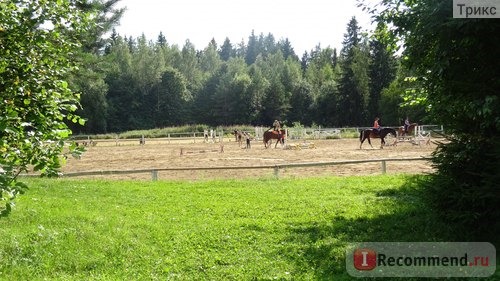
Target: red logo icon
[{"x": 365, "y": 259}]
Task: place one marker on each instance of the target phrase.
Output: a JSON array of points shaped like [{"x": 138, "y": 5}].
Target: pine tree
[
  {"x": 162, "y": 40},
  {"x": 286, "y": 48},
  {"x": 89, "y": 79},
  {"x": 252, "y": 49},
  {"x": 226, "y": 50},
  {"x": 382, "y": 68},
  {"x": 353, "y": 84}
]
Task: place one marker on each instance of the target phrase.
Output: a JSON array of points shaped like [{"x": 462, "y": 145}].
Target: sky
[{"x": 306, "y": 23}]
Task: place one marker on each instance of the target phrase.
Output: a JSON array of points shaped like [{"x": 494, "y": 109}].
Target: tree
[
  {"x": 382, "y": 69},
  {"x": 106, "y": 16},
  {"x": 229, "y": 102},
  {"x": 454, "y": 61},
  {"x": 189, "y": 67},
  {"x": 88, "y": 81},
  {"x": 276, "y": 101},
  {"x": 301, "y": 102},
  {"x": 267, "y": 45},
  {"x": 354, "y": 81},
  {"x": 170, "y": 100},
  {"x": 226, "y": 50},
  {"x": 320, "y": 70},
  {"x": 286, "y": 48},
  {"x": 119, "y": 77},
  {"x": 327, "y": 108},
  {"x": 252, "y": 49},
  {"x": 210, "y": 60},
  {"x": 257, "y": 91},
  {"x": 304, "y": 62},
  {"x": 162, "y": 40},
  {"x": 37, "y": 41},
  {"x": 400, "y": 99}
]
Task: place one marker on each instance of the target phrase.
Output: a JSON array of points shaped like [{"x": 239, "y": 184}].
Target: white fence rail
[
  {"x": 219, "y": 135},
  {"x": 275, "y": 167}
]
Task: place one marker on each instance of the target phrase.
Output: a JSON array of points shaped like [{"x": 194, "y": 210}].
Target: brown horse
[
  {"x": 273, "y": 135},
  {"x": 238, "y": 136},
  {"x": 409, "y": 131},
  {"x": 367, "y": 134}
]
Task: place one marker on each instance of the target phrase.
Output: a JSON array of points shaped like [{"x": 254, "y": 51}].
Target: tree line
[{"x": 138, "y": 83}]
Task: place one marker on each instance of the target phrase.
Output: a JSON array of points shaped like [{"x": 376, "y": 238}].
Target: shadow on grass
[{"x": 321, "y": 247}]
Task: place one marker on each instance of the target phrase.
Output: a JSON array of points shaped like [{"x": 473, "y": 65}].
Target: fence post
[
  {"x": 154, "y": 175},
  {"x": 276, "y": 171},
  {"x": 384, "y": 167}
]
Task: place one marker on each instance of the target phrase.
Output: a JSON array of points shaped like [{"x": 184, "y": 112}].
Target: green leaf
[{"x": 63, "y": 133}]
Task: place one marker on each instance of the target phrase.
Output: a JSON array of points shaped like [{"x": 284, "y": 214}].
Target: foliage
[
  {"x": 254, "y": 82},
  {"x": 37, "y": 42},
  {"x": 301, "y": 104},
  {"x": 89, "y": 81},
  {"x": 406, "y": 94},
  {"x": 215, "y": 230},
  {"x": 168, "y": 100},
  {"x": 163, "y": 132},
  {"x": 382, "y": 70},
  {"x": 453, "y": 61},
  {"x": 105, "y": 17},
  {"x": 354, "y": 81}
]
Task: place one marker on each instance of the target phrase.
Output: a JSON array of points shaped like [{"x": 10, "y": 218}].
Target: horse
[
  {"x": 270, "y": 135},
  {"x": 367, "y": 134},
  {"x": 409, "y": 131},
  {"x": 238, "y": 136}
]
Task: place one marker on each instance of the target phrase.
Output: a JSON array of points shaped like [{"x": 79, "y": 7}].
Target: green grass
[{"x": 265, "y": 229}]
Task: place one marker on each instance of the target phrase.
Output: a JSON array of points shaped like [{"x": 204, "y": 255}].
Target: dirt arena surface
[{"x": 160, "y": 154}]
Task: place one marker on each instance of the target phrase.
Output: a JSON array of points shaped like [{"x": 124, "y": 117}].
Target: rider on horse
[
  {"x": 277, "y": 128},
  {"x": 277, "y": 125},
  {"x": 376, "y": 126},
  {"x": 406, "y": 125}
]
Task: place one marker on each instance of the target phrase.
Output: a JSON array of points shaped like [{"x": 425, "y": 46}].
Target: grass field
[{"x": 260, "y": 229}]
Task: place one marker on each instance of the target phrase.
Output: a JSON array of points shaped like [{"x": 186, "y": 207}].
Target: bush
[{"x": 465, "y": 186}]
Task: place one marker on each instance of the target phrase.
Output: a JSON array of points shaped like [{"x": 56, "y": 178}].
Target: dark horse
[
  {"x": 273, "y": 135},
  {"x": 367, "y": 134}
]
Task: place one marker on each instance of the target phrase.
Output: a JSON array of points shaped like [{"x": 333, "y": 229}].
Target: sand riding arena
[{"x": 189, "y": 154}]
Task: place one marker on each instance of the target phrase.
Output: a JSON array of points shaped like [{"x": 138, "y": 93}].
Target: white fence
[
  {"x": 219, "y": 135},
  {"x": 275, "y": 167}
]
